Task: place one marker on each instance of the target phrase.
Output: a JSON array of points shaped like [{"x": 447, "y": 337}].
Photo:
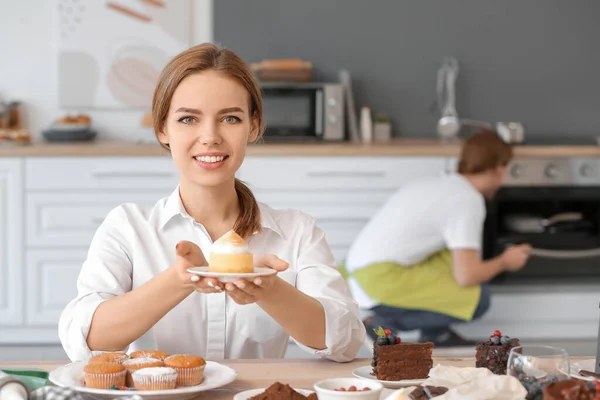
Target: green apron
[{"x": 428, "y": 285}]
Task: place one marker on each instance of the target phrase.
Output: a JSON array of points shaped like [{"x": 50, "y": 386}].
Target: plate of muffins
[
  {"x": 230, "y": 260},
  {"x": 152, "y": 374}
]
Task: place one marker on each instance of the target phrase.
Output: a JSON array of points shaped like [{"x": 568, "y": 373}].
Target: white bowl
[{"x": 326, "y": 389}]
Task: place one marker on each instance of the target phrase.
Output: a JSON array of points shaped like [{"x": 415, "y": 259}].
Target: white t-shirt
[{"x": 420, "y": 219}]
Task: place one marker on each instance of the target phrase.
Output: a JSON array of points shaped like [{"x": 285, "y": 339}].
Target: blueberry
[
  {"x": 391, "y": 339},
  {"x": 114, "y": 387},
  {"x": 382, "y": 341},
  {"x": 495, "y": 340},
  {"x": 505, "y": 340}
]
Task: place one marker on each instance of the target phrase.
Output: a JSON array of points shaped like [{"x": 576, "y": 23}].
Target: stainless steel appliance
[
  {"x": 303, "y": 111},
  {"x": 554, "y": 205}
]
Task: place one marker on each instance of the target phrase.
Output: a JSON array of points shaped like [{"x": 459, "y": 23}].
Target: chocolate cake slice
[
  {"x": 570, "y": 389},
  {"x": 493, "y": 353},
  {"x": 394, "y": 360},
  {"x": 280, "y": 391},
  {"x": 427, "y": 392}
]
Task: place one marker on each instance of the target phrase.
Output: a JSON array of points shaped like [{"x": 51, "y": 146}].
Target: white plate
[
  {"x": 71, "y": 375},
  {"x": 365, "y": 373},
  {"x": 245, "y": 395},
  {"x": 588, "y": 365},
  {"x": 232, "y": 277}
]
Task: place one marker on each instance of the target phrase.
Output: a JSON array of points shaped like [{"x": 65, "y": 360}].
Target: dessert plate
[
  {"x": 71, "y": 375},
  {"x": 587, "y": 365},
  {"x": 364, "y": 372},
  {"x": 245, "y": 395},
  {"x": 232, "y": 277}
]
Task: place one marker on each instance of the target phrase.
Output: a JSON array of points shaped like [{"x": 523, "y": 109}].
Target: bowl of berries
[{"x": 348, "y": 388}]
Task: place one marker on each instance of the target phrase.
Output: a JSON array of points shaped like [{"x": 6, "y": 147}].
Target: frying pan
[{"x": 527, "y": 223}]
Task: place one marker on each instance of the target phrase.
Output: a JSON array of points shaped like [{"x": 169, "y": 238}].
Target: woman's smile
[{"x": 210, "y": 160}]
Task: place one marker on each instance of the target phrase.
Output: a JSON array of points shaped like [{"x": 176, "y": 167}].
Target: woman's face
[{"x": 208, "y": 126}]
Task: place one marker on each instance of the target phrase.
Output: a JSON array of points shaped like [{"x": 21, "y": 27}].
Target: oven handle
[{"x": 565, "y": 253}]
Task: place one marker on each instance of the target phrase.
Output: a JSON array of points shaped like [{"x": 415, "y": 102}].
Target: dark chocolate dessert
[
  {"x": 427, "y": 392},
  {"x": 570, "y": 389},
  {"x": 394, "y": 360},
  {"x": 493, "y": 353},
  {"x": 280, "y": 391}
]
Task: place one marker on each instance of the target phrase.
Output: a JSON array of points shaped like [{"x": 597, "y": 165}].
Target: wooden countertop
[
  {"x": 299, "y": 373},
  {"x": 396, "y": 147}
]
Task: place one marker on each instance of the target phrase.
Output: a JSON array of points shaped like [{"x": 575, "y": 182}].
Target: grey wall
[{"x": 533, "y": 61}]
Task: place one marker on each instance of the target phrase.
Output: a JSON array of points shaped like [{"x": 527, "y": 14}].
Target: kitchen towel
[{"x": 469, "y": 383}]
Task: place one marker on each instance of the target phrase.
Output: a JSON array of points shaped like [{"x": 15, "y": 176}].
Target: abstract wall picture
[{"x": 111, "y": 52}]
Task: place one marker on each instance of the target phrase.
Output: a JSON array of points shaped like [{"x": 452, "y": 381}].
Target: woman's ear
[
  {"x": 254, "y": 125},
  {"x": 163, "y": 137}
]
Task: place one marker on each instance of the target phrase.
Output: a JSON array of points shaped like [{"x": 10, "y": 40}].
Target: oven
[{"x": 554, "y": 205}]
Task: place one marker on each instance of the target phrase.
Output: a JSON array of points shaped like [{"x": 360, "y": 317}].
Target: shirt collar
[{"x": 174, "y": 207}]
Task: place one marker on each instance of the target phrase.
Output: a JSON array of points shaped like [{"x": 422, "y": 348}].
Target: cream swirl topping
[{"x": 230, "y": 243}]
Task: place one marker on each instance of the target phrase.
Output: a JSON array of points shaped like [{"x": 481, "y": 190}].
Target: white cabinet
[
  {"x": 50, "y": 208},
  {"x": 341, "y": 193},
  {"x": 100, "y": 173},
  {"x": 52, "y": 283},
  {"x": 63, "y": 219},
  {"x": 11, "y": 245}
]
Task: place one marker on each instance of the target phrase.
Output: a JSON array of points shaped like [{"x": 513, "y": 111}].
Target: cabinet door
[
  {"x": 332, "y": 173},
  {"x": 68, "y": 219},
  {"x": 11, "y": 245},
  {"x": 51, "y": 284},
  {"x": 100, "y": 173}
]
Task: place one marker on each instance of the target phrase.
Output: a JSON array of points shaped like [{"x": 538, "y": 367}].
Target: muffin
[
  {"x": 190, "y": 369},
  {"x": 109, "y": 357},
  {"x": 104, "y": 375},
  {"x": 154, "y": 378},
  {"x": 230, "y": 253},
  {"x": 160, "y": 355},
  {"x": 134, "y": 364}
]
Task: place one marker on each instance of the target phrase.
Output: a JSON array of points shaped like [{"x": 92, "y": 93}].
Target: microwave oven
[{"x": 299, "y": 112}]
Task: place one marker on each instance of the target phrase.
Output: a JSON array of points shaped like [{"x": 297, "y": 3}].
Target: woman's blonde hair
[{"x": 206, "y": 57}]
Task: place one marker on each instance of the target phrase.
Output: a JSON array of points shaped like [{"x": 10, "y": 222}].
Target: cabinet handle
[
  {"x": 136, "y": 174},
  {"x": 347, "y": 174}
]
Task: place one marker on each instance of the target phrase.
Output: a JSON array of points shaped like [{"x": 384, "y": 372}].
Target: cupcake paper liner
[
  {"x": 104, "y": 381},
  {"x": 154, "y": 382},
  {"x": 189, "y": 376}
]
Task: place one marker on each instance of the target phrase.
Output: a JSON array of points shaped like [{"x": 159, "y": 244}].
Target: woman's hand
[
  {"x": 189, "y": 255},
  {"x": 246, "y": 292}
]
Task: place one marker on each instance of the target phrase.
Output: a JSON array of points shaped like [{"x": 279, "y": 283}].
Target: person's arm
[
  {"x": 113, "y": 327},
  {"x": 469, "y": 270},
  {"x": 300, "y": 315},
  {"x": 330, "y": 326},
  {"x": 107, "y": 314}
]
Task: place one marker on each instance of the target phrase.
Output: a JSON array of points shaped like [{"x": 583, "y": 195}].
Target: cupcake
[
  {"x": 134, "y": 364},
  {"x": 109, "y": 357},
  {"x": 230, "y": 253},
  {"x": 190, "y": 369},
  {"x": 104, "y": 375},
  {"x": 154, "y": 378},
  {"x": 160, "y": 355}
]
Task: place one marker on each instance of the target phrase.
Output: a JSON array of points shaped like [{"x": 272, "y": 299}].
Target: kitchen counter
[
  {"x": 396, "y": 147},
  {"x": 299, "y": 373}
]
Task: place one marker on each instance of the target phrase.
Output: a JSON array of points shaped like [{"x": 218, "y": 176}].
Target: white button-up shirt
[{"x": 133, "y": 245}]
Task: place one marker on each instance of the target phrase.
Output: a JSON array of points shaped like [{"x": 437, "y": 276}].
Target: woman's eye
[
  {"x": 186, "y": 120},
  {"x": 231, "y": 119}
]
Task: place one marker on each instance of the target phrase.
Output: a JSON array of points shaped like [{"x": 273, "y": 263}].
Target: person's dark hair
[
  {"x": 484, "y": 151},
  {"x": 201, "y": 58}
]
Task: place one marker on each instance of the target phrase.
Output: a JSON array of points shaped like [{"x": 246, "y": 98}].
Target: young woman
[{"x": 134, "y": 291}]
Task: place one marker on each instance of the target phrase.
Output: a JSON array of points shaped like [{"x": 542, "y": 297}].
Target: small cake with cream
[{"x": 230, "y": 254}]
